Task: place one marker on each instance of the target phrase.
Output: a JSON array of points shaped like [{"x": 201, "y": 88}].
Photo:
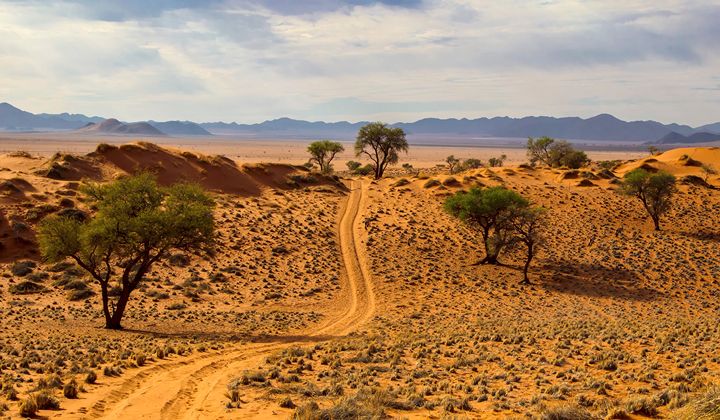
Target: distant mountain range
[
  {"x": 113, "y": 126},
  {"x": 603, "y": 127},
  {"x": 677, "y": 138},
  {"x": 14, "y": 119}
]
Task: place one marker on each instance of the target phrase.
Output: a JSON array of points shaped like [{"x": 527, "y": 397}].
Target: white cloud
[{"x": 250, "y": 60}]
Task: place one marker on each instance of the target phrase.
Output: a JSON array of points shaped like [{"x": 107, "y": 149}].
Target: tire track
[{"x": 194, "y": 387}]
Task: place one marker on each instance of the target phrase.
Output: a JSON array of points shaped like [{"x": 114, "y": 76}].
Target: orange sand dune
[
  {"x": 32, "y": 187},
  {"x": 681, "y": 162}
]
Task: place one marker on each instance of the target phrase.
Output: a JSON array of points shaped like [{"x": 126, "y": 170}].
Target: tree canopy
[
  {"x": 487, "y": 210},
  {"x": 322, "y": 152},
  {"x": 654, "y": 190},
  {"x": 137, "y": 223},
  {"x": 528, "y": 224},
  {"x": 382, "y": 144},
  {"x": 555, "y": 153},
  {"x": 538, "y": 150}
]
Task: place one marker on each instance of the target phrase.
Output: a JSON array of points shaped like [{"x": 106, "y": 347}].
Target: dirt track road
[{"x": 194, "y": 387}]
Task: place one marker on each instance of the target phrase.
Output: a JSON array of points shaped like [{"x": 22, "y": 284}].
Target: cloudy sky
[{"x": 395, "y": 60}]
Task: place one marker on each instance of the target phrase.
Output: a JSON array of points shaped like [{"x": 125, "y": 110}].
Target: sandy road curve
[{"x": 194, "y": 387}]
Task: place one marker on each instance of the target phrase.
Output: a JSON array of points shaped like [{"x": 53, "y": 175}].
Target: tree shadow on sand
[
  {"x": 703, "y": 235},
  {"x": 593, "y": 280}
]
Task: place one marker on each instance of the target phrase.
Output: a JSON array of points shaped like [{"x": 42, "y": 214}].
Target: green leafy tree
[
  {"x": 563, "y": 153},
  {"x": 408, "y": 167},
  {"x": 323, "y": 152},
  {"x": 453, "y": 163},
  {"x": 381, "y": 144},
  {"x": 574, "y": 159},
  {"x": 538, "y": 150},
  {"x": 655, "y": 191},
  {"x": 554, "y": 153},
  {"x": 471, "y": 163},
  {"x": 528, "y": 225},
  {"x": 353, "y": 166},
  {"x": 652, "y": 150},
  {"x": 487, "y": 210},
  {"x": 497, "y": 162},
  {"x": 137, "y": 223}
]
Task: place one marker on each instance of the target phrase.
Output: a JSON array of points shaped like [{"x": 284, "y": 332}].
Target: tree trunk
[
  {"x": 656, "y": 221},
  {"x": 106, "y": 304},
  {"x": 528, "y": 259},
  {"x": 490, "y": 259},
  {"x": 491, "y": 256},
  {"x": 116, "y": 318}
]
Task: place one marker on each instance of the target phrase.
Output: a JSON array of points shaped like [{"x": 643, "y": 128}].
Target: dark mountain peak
[
  {"x": 605, "y": 118},
  {"x": 180, "y": 128},
  {"x": 113, "y": 126},
  {"x": 677, "y": 138},
  {"x": 8, "y": 108},
  {"x": 108, "y": 124}
]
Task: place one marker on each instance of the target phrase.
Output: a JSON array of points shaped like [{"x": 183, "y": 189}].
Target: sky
[{"x": 391, "y": 60}]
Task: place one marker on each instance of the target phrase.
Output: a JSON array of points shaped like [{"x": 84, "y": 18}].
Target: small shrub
[
  {"x": 110, "y": 371},
  {"x": 45, "y": 400},
  {"x": 287, "y": 403},
  {"x": 22, "y": 268},
  {"x": 76, "y": 295},
  {"x": 431, "y": 183},
  {"x": 565, "y": 412},
  {"x": 71, "y": 389},
  {"x": 450, "y": 181},
  {"x": 28, "y": 407},
  {"x": 91, "y": 377},
  {"x": 8, "y": 390},
  {"x": 364, "y": 170},
  {"x": 643, "y": 405},
  {"x": 140, "y": 359},
  {"x": 26, "y": 288}
]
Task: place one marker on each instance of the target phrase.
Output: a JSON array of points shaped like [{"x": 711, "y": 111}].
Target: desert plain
[{"x": 347, "y": 297}]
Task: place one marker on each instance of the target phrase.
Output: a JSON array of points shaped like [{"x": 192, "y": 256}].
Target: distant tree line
[
  {"x": 555, "y": 153},
  {"x": 379, "y": 142},
  {"x": 504, "y": 219}
]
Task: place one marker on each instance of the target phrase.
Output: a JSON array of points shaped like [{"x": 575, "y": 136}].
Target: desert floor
[{"x": 348, "y": 296}]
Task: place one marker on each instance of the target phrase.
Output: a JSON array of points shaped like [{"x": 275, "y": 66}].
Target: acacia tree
[
  {"x": 381, "y": 144},
  {"x": 452, "y": 163},
  {"x": 487, "y": 210},
  {"x": 137, "y": 223},
  {"x": 494, "y": 162},
  {"x": 654, "y": 191},
  {"x": 528, "y": 224},
  {"x": 538, "y": 150},
  {"x": 408, "y": 167},
  {"x": 323, "y": 152},
  {"x": 554, "y": 153}
]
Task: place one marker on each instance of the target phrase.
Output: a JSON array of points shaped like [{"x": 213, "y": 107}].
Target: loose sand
[{"x": 363, "y": 296}]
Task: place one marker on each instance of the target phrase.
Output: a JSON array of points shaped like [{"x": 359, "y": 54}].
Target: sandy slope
[
  {"x": 194, "y": 387},
  {"x": 616, "y": 312}
]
